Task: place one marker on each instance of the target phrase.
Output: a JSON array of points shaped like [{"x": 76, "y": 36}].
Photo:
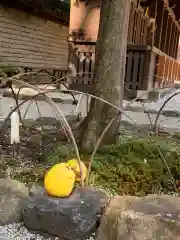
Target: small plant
[{"x": 8, "y": 71}]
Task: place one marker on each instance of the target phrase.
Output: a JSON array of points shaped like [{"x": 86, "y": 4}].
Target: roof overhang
[
  {"x": 55, "y": 10},
  {"x": 173, "y": 5}
]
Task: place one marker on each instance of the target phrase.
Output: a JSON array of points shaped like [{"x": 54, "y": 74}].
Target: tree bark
[{"x": 109, "y": 73}]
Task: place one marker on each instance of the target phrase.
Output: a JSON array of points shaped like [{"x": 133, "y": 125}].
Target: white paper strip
[{"x": 15, "y": 138}]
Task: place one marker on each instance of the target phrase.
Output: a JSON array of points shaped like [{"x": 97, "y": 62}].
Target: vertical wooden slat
[
  {"x": 92, "y": 64},
  {"x": 150, "y": 65},
  {"x": 90, "y": 75},
  {"x": 138, "y": 31},
  {"x": 159, "y": 23},
  {"x": 136, "y": 27},
  {"x": 171, "y": 47},
  {"x": 178, "y": 72},
  {"x": 141, "y": 71},
  {"x": 80, "y": 68},
  {"x": 169, "y": 78},
  {"x": 174, "y": 43},
  {"x": 160, "y": 69},
  {"x": 133, "y": 26},
  {"x": 76, "y": 64},
  {"x": 164, "y": 30},
  {"x": 142, "y": 31},
  {"x": 166, "y": 72},
  {"x": 135, "y": 74},
  {"x": 169, "y": 27},
  {"x": 131, "y": 20},
  {"x": 145, "y": 32},
  {"x": 152, "y": 15},
  {"x": 174, "y": 71},
  {"x": 86, "y": 69},
  {"x": 129, "y": 69}
]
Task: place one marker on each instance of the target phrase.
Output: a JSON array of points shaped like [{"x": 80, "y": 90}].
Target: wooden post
[
  {"x": 169, "y": 28},
  {"x": 175, "y": 41},
  {"x": 176, "y": 46},
  {"x": 159, "y": 23},
  {"x": 173, "y": 37},
  {"x": 131, "y": 20},
  {"x": 152, "y": 15},
  {"x": 138, "y": 26},
  {"x": 135, "y": 27},
  {"x": 169, "y": 45},
  {"x": 164, "y": 30}
]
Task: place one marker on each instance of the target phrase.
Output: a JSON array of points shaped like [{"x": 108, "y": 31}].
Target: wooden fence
[
  {"x": 146, "y": 68},
  {"x": 168, "y": 70},
  {"x": 138, "y": 26},
  {"x": 137, "y": 72},
  {"x": 137, "y": 67},
  {"x": 44, "y": 76}
]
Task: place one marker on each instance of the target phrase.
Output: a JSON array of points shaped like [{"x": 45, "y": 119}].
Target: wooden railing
[
  {"x": 44, "y": 76},
  {"x": 138, "y": 26},
  {"x": 83, "y": 62},
  {"x": 137, "y": 69},
  {"x": 167, "y": 71},
  {"x": 146, "y": 68}
]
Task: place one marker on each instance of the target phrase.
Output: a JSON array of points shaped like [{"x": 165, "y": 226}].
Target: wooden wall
[{"x": 30, "y": 41}]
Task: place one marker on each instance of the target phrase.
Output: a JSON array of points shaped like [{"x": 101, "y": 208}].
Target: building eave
[
  {"x": 55, "y": 10},
  {"x": 173, "y": 5}
]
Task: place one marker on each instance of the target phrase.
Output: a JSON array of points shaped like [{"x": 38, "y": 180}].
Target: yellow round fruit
[
  {"x": 73, "y": 163},
  {"x": 59, "y": 180}
]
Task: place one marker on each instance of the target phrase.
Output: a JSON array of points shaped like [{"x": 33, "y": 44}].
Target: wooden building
[
  {"x": 153, "y": 38},
  {"x": 33, "y": 34}
]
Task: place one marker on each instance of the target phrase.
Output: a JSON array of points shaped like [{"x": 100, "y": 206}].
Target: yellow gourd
[
  {"x": 73, "y": 163},
  {"x": 59, "y": 180}
]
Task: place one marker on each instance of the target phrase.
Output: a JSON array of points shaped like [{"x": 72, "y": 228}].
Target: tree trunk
[{"x": 109, "y": 73}]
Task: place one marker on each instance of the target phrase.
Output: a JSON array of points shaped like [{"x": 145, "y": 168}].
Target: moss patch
[
  {"x": 133, "y": 167},
  {"x": 31, "y": 176}
]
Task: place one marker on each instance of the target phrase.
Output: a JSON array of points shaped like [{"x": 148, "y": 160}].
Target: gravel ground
[{"x": 18, "y": 232}]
